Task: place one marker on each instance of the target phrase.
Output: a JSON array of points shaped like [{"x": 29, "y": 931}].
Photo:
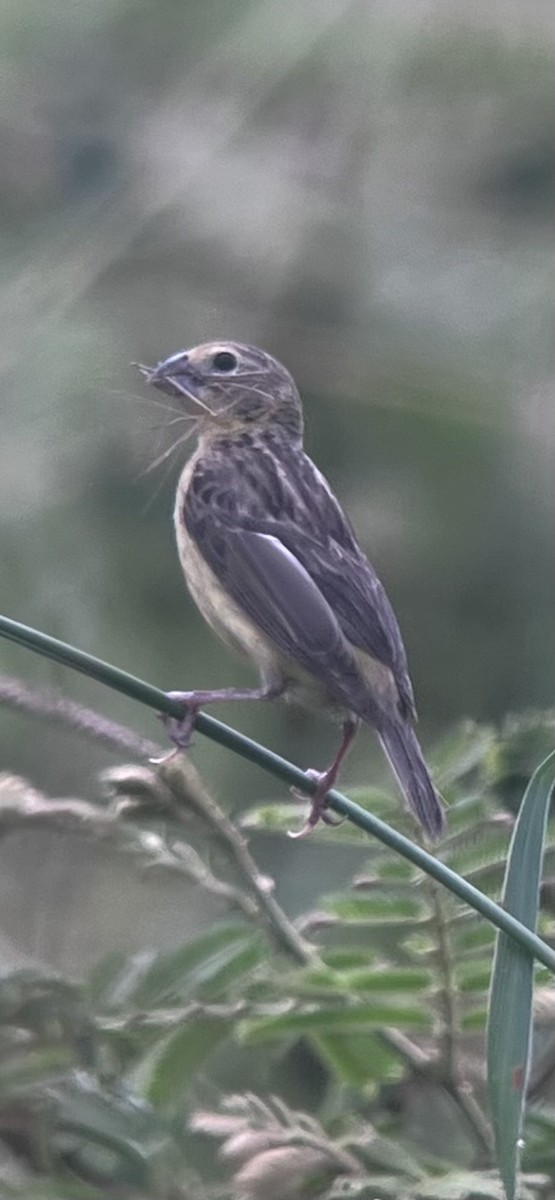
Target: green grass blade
[{"x": 510, "y": 1006}]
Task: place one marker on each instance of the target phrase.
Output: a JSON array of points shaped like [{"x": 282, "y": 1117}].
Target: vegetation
[{"x": 370, "y": 1007}]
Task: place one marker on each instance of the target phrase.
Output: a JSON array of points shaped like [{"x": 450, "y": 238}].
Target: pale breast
[
  {"x": 236, "y": 629},
  {"x": 217, "y": 607}
]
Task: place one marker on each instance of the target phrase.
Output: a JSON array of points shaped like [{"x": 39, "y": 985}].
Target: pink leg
[
  {"x": 180, "y": 729},
  {"x": 326, "y": 780}
]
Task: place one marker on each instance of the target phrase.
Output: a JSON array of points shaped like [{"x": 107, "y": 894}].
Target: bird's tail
[{"x": 402, "y": 748}]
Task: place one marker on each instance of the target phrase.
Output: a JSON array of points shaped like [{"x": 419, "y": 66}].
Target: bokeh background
[{"x": 365, "y": 189}]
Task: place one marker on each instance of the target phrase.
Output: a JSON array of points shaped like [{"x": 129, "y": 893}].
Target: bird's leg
[
  {"x": 325, "y": 781},
  {"x": 180, "y": 729}
]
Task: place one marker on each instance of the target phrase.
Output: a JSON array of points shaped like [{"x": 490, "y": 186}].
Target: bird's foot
[
  {"x": 318, "y": 809},
  {"x": 180, "y": 729}
]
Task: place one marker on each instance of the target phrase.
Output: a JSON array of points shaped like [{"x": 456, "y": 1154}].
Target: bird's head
[{"x": 229, "y": 388}]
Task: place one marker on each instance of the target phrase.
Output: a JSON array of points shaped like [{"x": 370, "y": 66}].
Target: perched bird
[{"x": 275, "y": 568}]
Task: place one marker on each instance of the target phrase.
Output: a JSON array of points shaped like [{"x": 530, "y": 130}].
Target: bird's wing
[
  {"x": 351, "y": 589},
  {"x": 326, "y": 544},
  {"x": 300, "y": 558},
  {"x": 273, "y": 588},
  {"x": 360, "y": 603}
]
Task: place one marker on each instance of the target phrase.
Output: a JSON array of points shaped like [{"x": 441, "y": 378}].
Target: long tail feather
[{"x": 402, "y": 748}]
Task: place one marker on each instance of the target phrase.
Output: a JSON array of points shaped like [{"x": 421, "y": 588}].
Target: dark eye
[{"x": 224, "y": 360}]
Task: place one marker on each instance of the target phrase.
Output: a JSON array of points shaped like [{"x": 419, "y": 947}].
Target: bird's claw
[
  {"x": 159, "y": 759},
  {"x": 180, "y": 729},
  {"x": 318, "y": 811}
]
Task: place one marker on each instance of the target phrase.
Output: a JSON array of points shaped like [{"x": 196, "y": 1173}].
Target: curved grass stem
[{"x": 160, "y": 702}]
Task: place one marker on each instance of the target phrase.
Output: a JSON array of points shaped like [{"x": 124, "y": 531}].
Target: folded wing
[
  {"x": 274, "y": 589},
  {"x": 277, "y": 535}
]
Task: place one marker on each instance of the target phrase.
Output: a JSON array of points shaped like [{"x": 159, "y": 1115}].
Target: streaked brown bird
[{"x": 275, "y": 568}]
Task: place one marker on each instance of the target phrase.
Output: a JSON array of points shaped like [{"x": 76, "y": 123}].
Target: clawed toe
[
  {"x": 180, "y": 729},
  {"x": 318, "y": 806},
  {"x": 312, "y": 818},
  {"x": 159, "y": 759}
]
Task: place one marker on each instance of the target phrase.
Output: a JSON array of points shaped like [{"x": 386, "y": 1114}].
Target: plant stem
[{"x": 145, "y": 693}]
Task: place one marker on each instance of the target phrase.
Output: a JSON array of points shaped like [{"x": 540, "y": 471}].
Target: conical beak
[{"x": 170, "y": 376}]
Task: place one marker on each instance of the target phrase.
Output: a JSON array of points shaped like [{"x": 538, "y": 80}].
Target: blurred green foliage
[{"x": 369, "y": 1014}]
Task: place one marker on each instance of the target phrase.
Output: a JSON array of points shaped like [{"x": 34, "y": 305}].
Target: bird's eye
[{"x": 224, "y": 361}]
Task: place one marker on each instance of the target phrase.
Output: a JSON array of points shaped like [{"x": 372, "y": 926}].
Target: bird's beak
[{"x": 170, "y": 376}]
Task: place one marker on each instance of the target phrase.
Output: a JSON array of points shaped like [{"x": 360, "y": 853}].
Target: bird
[{"x": 275, "y": 568}]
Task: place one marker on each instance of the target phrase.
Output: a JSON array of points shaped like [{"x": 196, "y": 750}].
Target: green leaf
[
  {"x": 105, "y": 977},
  {"x": 482, "y": 852},
  {"x": 472, "y": 977},
  {"x": 400, "y": 979},
  {"x": 366, "y": 979},
  {"x": 383, "y": 909},
  {"x": 209, "y": 959},
  {"x": 376, "y": 1151},
  {"x": 471, "y": 936},
  {"x": 114, "y": 983},
  {"x": 165, "y": 1074},
  {"x": 114, "y": 1132},
  {"x": 389, "y": 870},
  {"x": 510, "y": 1008},
  {"x": 300, "y": 1021},
  {"x": 32, "y": 1072},
  {"x": 358, "y": 1060},
  {"x": 461, "y": 751},
  {"x": 475, "y": 1019}
]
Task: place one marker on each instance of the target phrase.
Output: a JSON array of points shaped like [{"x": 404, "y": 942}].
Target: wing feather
[{"x": 270, "y": 527}]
